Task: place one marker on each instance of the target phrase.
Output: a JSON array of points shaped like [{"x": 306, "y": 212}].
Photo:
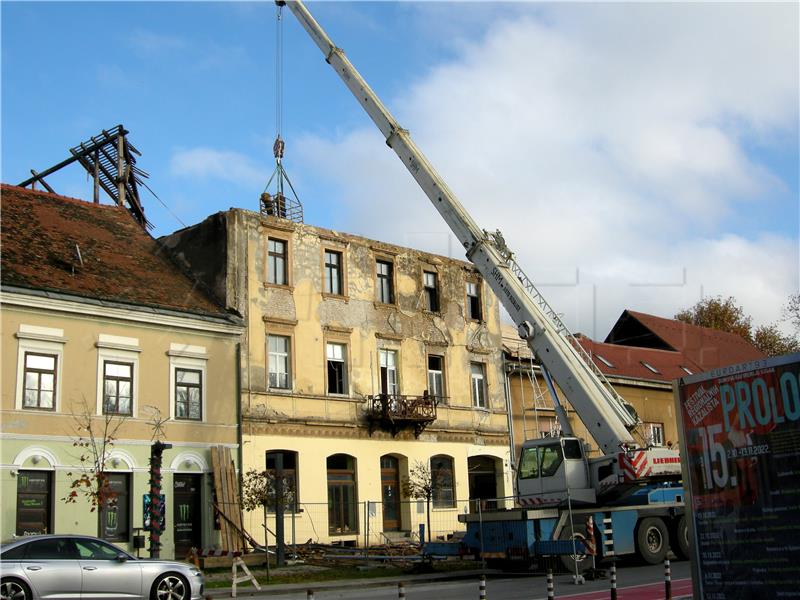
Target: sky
[{"x": 635, "y": 155}]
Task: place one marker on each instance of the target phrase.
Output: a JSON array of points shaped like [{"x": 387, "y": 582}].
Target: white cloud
[
  {"x": 609, "y": 138},
  {"x": 208, "y": 163}
]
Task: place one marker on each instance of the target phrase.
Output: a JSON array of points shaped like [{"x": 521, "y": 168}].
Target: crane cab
[{"x": 552, "y": 471}]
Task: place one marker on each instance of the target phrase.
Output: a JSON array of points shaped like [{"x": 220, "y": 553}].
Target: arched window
[
  {"x": 443, "y": 481},
  {"x": 284, "y": 461},
  {"x": 342, "y": 500}
]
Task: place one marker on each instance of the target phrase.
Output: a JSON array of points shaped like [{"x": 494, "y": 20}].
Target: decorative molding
[
  {"x": 389, "y": 337},
  {"x": 337, "y": 329},
  {"x": 279, "y": 321},
  {"x": 288, "y": 227}
]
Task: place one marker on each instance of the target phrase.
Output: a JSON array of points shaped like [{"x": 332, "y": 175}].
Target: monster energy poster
[
  {"x": 163, "y": 520},
  {"x": 740, "y": 443}
]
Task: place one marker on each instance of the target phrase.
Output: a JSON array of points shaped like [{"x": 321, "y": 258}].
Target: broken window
[
  {"x": 385, "y": 282},
  {"x": 473, "y": 301},
  {"x": 388, "y": 366},
  {"x": 431, "y": 283},
  {"x": 276, "y": 268},
  {"x": 337, "y": 368},
  {"x": 436, "y": 377},
  {"x": 333, "y": 272}
]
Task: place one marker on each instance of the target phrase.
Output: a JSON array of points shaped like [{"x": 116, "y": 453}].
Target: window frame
[
  {"x": 388, "y": 278},
  {"x": 131, "y": 380},
  {"x": 478, "y": 299},
  {"x": 112, "y": 348},
  {"x": 433, "y": 302},
  {"x": 339, "y": 270},
  {"x": 652, "y": 428},
  {"x": 289, "y": 473},
  {"x": 190, "y": 358},
  {"x": 396, "y": 368},
  {"x": 39, "y": 340},
  {"x": 342, "y": 484},
  {"x": 274, "y": 256},
  {"x": 289, "y": 355},
  {"x": 39, "y": 372},
  {"x": 345, "y": 366},
  {"x": 484, "y": 388},
  {"x": 437, "y": 502},
  {"x": 442, "y": 396}
]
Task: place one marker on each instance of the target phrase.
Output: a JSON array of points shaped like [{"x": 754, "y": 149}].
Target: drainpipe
[{"x": 510, "y": 417}]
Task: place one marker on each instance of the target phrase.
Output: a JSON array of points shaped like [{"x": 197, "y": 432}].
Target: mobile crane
[{"x": 635, "y": 488}]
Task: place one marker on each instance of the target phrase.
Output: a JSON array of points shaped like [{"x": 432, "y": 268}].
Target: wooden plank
[
  {"x": 233, "y": 498},
  {"x": 216, "y": 464},
  {"x": 237, "y": 505},
  {"x": 223, "y": 500}
]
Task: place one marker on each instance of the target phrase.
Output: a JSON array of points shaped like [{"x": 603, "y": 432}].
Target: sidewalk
[{"x": 319, "y": 586}]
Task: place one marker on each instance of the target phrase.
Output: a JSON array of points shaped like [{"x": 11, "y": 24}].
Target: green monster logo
[
  {"x": 23, "y": 481},
  {"x": 111, "y": 519},
  {"x": 183, "y": 512}
]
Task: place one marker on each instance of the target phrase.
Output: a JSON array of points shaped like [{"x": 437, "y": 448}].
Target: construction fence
[{"x": 368, "y": 523}]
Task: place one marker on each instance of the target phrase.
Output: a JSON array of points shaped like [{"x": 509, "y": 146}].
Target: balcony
[{"x": 395, "y": 413}]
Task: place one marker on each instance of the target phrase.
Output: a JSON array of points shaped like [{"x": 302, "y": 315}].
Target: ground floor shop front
[
  {"x": 353, "y": 491},
  {"x": 36, "y": 479}
]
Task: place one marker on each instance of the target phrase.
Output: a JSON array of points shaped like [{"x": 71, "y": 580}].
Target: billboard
[{"x": 740, "y": 445}]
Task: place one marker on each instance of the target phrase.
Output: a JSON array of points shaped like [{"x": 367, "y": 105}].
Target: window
[
  {"x": 473, "y": 301},
  {"x": 443, "y": 495},
  {"x": 342, "y": 494},
  {"x": 40, "y": 381},
  {"x": 51, "y": 549},
  {"x": 115, "y": 514},
  {"x": 388, "y": 367},
  {"x": 276, "y": 262},
  {"x": 552, "y": 457},
  {"x": 34, "y": 502},
  {"x": 285, "y": 462},
  {"x": 436, "y": 376},
  {"x": 385, "y": 282},
  {"x": 117, "y": 388},
  {"x": 529, "y": 463},
  {"x": 431, "y": 283},
  {"x": 333, "y": 273},
  {"x": 549, "y": 427},
  {"x": 478, "y": 385},
  {"x": 278, "y": 354},
  {"x": 605, "y": 361},
  {"x": 89, "y": 549},
  {"x": 655, "y": 433},
  {"x": 687, "y": 370},
  {"x": 650, "y": 367},
  {"x": 337, "y": 368},
  {"x": 188, "y": 394}
]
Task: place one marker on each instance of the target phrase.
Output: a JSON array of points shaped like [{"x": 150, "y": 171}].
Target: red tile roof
[
  {"x": 631, "y": 361},
  {"x": 41, "y": 234},
  {"x": 708, "y": 348}
]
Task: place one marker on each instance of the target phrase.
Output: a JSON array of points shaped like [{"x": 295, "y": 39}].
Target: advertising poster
[
  {"x": 162, "y": 521},
  {"x": 740, "y": 445}
]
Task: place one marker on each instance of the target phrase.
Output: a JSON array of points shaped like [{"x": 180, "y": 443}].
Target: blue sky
[{"x": 634, "y": 155}]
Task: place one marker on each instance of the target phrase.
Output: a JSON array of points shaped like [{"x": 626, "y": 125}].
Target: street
[{"x": 633, "y": 583}]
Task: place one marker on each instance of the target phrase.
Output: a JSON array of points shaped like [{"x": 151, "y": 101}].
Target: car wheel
[
  {"x": 652, "y": 540},
  {"x": 170, "y": 586},
  {"x": 14, "y": 589}
]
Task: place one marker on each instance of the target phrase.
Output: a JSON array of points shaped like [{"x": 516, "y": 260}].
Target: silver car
[{"x": 58, "y": 567}]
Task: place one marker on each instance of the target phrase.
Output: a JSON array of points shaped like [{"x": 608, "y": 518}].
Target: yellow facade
[
  {"x": 84, "y": 336},
  {"x": 307, "y": 416}
]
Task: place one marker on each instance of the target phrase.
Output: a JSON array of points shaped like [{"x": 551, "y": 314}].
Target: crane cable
[{"x": 278, "y": 75}]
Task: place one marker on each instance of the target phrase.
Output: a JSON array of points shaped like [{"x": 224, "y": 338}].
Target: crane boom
[{"x": 604, "y": 413}]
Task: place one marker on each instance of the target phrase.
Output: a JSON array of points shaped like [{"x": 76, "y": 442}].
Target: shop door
[
  {"x": 390, "y": 486},
  {"x": 482, "y": 482},
  {"x": 34, "y": 501},
  {"x": 187, "y": 515}
]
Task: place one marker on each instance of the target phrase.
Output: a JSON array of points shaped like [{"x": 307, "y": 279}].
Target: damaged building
[{"x": 361, "y": 363}]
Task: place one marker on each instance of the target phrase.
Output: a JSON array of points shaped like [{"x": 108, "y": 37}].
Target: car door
[
  {"x": 52, "y": 568},
  {"x": 108, "y": 573}
]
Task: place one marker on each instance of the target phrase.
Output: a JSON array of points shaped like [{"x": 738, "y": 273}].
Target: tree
[
  {"x": 772, "y": 342},
  {"x": 262, "y": 489},
  {"x": 717, "y": 313},
  {"x": 726, "y": 315},
  {"x": 419, "y": 485},
  {"x": 94, "y": 437}
]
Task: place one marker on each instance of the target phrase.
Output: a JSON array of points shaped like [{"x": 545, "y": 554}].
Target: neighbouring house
[
  {"x": 361, "y": 361},
  {"x": 99, "y": 327},
  {"x": 642, "y": 357}
]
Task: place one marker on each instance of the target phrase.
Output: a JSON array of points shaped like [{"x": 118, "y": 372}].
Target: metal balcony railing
[{"x": 394, "y": 412}]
